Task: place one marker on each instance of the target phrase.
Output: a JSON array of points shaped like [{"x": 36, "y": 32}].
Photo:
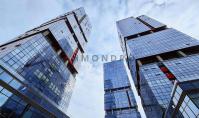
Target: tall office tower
[
  {"x": 38, "y": 68},
  {"x": 164, "y": 64},
  {"x": 119, "y": 98}
]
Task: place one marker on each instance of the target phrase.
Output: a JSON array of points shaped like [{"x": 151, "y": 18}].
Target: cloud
[
  {"x": 87, "y": 100},
  {"x": 19, "y": 16}
]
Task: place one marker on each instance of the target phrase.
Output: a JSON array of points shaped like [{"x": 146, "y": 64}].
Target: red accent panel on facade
[
  {"x": 164, "y": 69},
  {"x": 74, "y": 55},
  {"x": 65, "y": 57},
  {"x": 71, "y": 67},
  {"x": 170, "y": 76},
  {"x": 70, "y": 61}
]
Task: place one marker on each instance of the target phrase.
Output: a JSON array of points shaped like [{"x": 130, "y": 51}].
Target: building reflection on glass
[{"x": 38, "y": 68}]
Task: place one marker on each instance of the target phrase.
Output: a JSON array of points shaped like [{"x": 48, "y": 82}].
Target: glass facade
[
  {"x": 119, "y": 98},
  {"x": 184, "y": 100},
  {"x": 65, "y": 39},
  {"x": 184, "y": 95},
  {"x": 184, "y": 69},
  {"x": 119, "y": 75},
  {"x": 131, "y": 26},
  {"x": 152, "y": 22},
  {"x": 157, "y": 82},
  {"x": 160, "y": 60},
  {"x": 38, "y": 69},
  {"x": 159, "y": 42},
  {"x": 14, "y": 106}
]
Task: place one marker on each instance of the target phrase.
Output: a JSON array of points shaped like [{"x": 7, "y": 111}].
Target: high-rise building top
[
  {"x": 164, "y": 66},
  {"x": 38, "y": 68},
  {"x": 119, "y": 99},
  {"x": 131, "y": 26},
  {"x": 115, "y": 75},
  {"x": 152, "y": 23}
]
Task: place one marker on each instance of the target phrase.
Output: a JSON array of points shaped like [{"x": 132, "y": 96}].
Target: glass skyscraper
[
  {"x": 119, "y": 99},
  {"x": 38, "y": 68},
  {"x": 164, "y": 64}
]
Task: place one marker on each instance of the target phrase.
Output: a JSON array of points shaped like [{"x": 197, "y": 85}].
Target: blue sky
[{"x": 18, "y": 16}]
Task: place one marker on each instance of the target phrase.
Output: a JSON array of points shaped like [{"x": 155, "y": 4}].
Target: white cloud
[
  {"x": 19, "y": 16},
  {"x": 87, "y": 101}
]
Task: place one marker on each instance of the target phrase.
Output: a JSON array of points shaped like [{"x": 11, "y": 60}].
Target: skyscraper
[
  {"x": 119, "y": 99},
  {"x": 38, "y": 68},
  {"x": 164, "y": 65}
]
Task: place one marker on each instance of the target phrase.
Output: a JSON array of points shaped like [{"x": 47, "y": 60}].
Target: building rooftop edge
[{"x": 25, "y": 34}]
